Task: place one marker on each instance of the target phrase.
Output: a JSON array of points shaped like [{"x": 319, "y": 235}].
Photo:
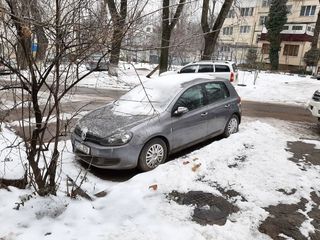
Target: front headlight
[{"x": 119, "y": 138}]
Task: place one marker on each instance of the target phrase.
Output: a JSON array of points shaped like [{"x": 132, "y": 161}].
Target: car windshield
[{"x": 152, "y": 97}]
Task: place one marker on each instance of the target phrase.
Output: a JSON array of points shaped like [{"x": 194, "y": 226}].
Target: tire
[
  {"x": 232, "y": 126},
  {"x": 152, "y": 154}
]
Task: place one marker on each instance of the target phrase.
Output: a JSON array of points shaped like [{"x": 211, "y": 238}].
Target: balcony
[{"x": 293, "y": 32}]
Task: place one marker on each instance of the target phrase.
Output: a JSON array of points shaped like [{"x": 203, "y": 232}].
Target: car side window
[
  {"x": 222, "y": 68},
  {"x": 189, "y": 69},
  {"x": 205, "y": 68},
  {"x": 192, "y": 98},
  {"x": 216, "y": 91}
]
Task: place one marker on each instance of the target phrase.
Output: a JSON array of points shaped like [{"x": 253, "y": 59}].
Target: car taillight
[{"x": 232, "y": 77}]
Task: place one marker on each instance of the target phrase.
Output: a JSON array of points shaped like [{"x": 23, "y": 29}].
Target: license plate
[{"x": 81, "y": 147}]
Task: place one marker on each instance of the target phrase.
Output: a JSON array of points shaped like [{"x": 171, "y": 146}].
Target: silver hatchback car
[{"x": 163, "y": 116}]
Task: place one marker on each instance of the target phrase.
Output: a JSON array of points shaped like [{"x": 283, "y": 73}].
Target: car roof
[
  {"x": 183, "y": 80},
  {"x": 211, "y": 62}
]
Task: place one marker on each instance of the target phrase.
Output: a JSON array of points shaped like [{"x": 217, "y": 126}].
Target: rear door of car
[
  {"x": 189, "y": 69},
  {"x": 222, "y": 71},
  {"x": 205, "y": 68},
  {"x": 219, "y": 106},
  {"x": 190, "y": 126}
]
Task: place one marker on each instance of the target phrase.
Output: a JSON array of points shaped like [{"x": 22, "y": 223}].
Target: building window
[
  {"x": 291, "y": 50},
  {"x": 266, "y": 3},
  {"x": 297, "y": 28},
  {"x": 310, "y": 29},
  {"x": 245, "y": 29},
  {"x": 225, "y": 49},
  {"x": 285, "y": 27},
  {"x": 308, "y": 10},
  {"x": 227, "y": 31},
  {"x": 258, "y": 38},
  {"x": 244, "y": 12},
  {"x": 263, "y": 20},
  {"x": 231, "y": 13},
  {"x": 265, "y": 48},
  {"x": 289, "y": 9}
]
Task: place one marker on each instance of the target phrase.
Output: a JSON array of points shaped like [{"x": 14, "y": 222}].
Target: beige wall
[
  {"x": 250, "y": 39},
  {"x": 288, "y": 60}
]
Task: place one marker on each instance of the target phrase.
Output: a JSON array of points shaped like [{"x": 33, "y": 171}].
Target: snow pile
[
  {"x": 277, "y": 88},
  {"x": 12, "y": 155},
  {"x": 253, "y": 162}
]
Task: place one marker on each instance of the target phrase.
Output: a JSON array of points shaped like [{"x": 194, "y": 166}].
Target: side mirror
[
  {"x": 178, "y": 71},
  {"x": 180, "y": 111}
]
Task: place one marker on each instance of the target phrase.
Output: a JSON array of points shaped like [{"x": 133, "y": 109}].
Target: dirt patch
[
  {"x": 284, "y": 219},
  {"x": 305, "y": 153},
  {"x": 285, "y": 192},
  {"x": 315, "y": 215},
  {"x": 229, "y": 194},
  {"x": 209, "y": 209}
]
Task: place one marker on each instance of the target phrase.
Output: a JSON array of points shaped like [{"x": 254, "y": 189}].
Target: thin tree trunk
[
  {"x": 165, "y": 37},
  {"x": 119, "y": 20},
  {"x": 315, "y": 39},
  {"x": 211, "y": 34},
  {"x": 167, "y": 28},
  {"x": 117, "y": 37},
  {"x": 42, "y": 39}
]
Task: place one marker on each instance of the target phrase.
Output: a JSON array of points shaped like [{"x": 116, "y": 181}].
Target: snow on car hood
[{"x": 104, "y": 121}]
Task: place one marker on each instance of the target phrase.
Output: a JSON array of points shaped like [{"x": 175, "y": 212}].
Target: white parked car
[
  {"x": 226, "y": 70},
  {"x": 314, "y": 104}
]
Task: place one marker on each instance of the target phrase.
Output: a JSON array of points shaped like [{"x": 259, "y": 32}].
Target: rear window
[
  {"x": 216, "y": 91},
  {"x": 205, "y": 68},
  {"x": 222, "y": 68}
]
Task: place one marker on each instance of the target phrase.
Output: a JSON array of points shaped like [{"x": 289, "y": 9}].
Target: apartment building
[{"x": 244, "y": 28}]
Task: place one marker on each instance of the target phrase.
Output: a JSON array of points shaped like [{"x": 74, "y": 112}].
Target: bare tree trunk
[
  {"x": 315, "y": 38},
  {"x": 119, "y": 20},
  {"x": 167, "y": 28},
  {"x": 211, "y": 33},
  {"x": 42, "y": 39}
]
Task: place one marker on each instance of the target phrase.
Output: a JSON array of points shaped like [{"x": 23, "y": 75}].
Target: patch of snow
[
  {"x": 277, "y": 88},
  {"x": 12, "y": 155}
]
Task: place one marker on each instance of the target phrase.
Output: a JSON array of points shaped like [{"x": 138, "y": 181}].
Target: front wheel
[
  {"x": 232, "y": 126},
  {"x": 152, "y": 155}
]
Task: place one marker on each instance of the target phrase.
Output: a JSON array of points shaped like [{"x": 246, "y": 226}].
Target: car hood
[{"x": 104, "y": 121}]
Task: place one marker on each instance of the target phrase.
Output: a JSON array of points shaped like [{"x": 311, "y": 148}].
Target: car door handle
[
  {"x": 227, "y": 105},
  {"x": 204, "y": 114}
]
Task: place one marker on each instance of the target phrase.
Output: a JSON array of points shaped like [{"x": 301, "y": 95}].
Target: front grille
[
  {"x": 89, "y": 136},
  {"x": 316, "y": 96}
]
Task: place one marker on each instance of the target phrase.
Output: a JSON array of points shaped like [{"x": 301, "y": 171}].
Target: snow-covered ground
[
  {"x": 277, "y": 88},
  {"x": 253, "y": 162}
]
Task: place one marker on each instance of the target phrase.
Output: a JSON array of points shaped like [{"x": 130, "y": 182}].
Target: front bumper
[
  {"x": 314, "y": 108},
  {"x": 117, "y": 157}
]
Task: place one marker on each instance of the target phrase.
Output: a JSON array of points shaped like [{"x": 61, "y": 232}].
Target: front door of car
[
  {"x": 190, "y": 126},
  {"x": 219, "y": 105}
]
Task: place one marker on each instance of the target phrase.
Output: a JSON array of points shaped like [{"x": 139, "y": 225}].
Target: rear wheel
[
  {"x": 152, "y": 155},
  {"x": 232, "y": 126}
]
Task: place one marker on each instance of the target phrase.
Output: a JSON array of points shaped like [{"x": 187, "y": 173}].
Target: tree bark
[
  {"x": 315, "y": 39},
  {"x": 211, "y": 34},
  {"x": 42, "y": 40},
  {"x": 119, "y": 20},
  {"x": 167, "y": 28}
]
